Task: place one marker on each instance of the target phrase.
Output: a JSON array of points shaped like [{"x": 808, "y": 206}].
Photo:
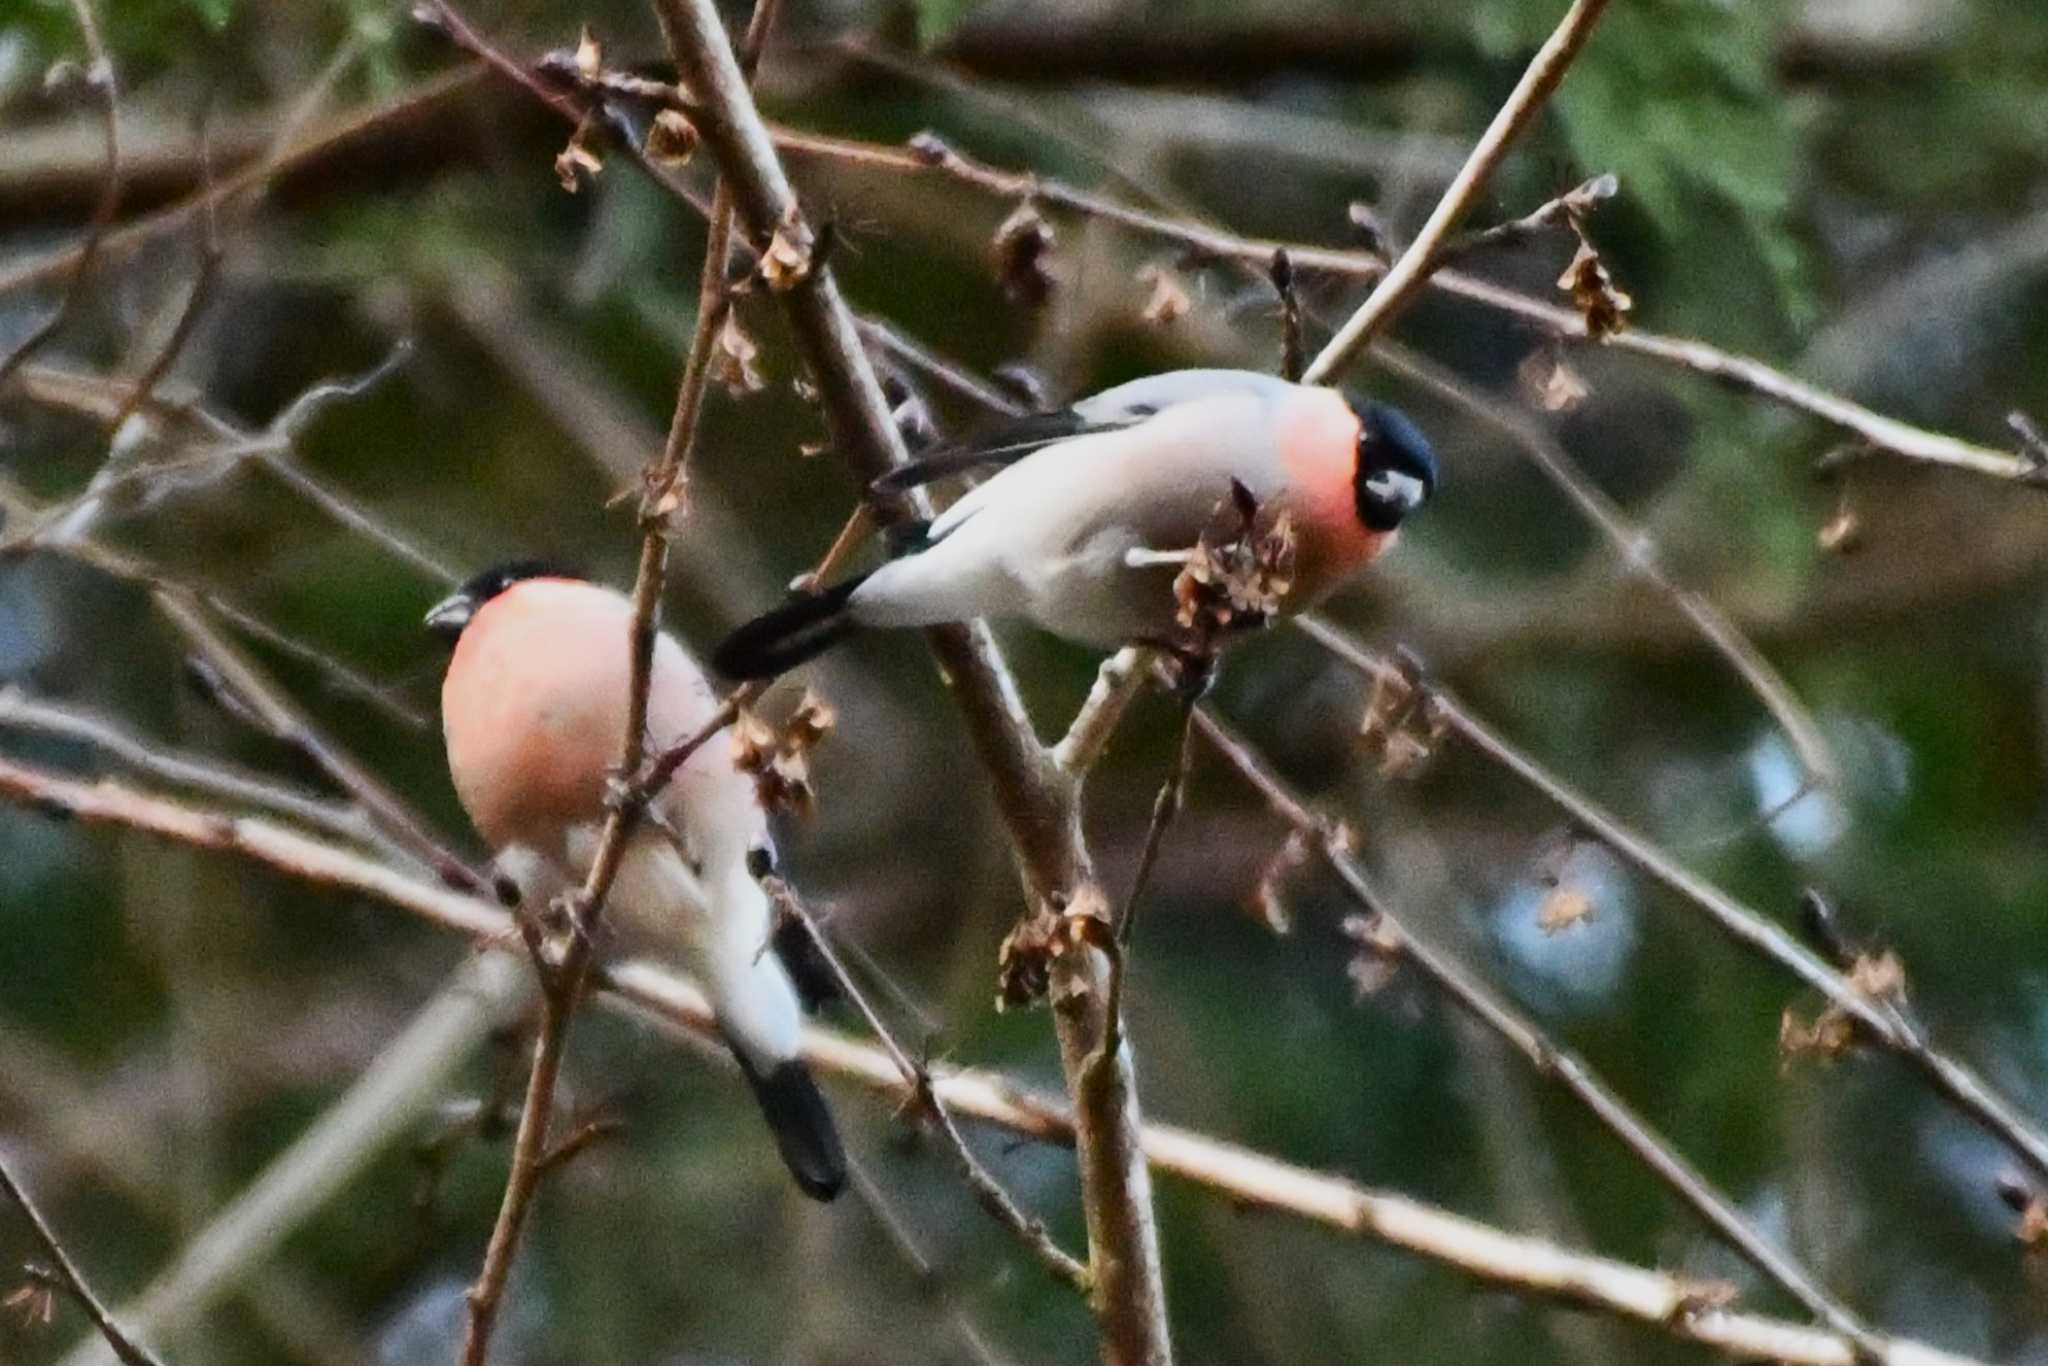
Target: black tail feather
[
  {"x": 810, "y": 972},
  {"x": 804, "y": 1133},
  {"x": 779, "y": 640}
]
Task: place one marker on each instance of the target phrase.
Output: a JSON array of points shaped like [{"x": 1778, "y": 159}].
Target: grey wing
[
  {"x": 1143, "y": 398},
  {"x": 1158, "y": 479},
  {"x": 1125, "y": 405}
]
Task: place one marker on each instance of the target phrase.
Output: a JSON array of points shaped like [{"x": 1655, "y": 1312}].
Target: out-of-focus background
[{"x": 1850, "y": 189}]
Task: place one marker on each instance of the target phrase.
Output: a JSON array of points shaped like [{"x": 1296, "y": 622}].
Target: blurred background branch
[{"x": 1824, "y": 237}]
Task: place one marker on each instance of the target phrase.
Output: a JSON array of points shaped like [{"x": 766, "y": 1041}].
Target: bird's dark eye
[{"x": 760, "y": 861}]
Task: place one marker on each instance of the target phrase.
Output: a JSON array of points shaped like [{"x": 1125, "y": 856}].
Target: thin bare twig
[
  {"x": 399, "y": 1088},
  {"x": 931, "y": 156},
  {"x": 101, "y": 1132},
  {"x": 99, "y": 73},
  {"x": 1638, "y": 552},
  {"x": 64, "y": 1275},
  {"x": 282, "y": 720},
  {"x": 988, "y": 1192},
  {"x": 562, "y": 1153},
  {"x": 337, "y": 676},
  {"x": 1549, "y": 214},
  {"x": 1667, "y": 1304},
  {"x": 255, "y": 698},
  {"x": 1877, "y": 1022},
  {"x": 20, "y": 711},
  {"x": 196, "y": 298},
  {"x": 1166, "y": 805},
  {"x": 1550, "y": 1060},
  {"x": 1747, "y": 374},
  {"x": 224, "y": 446},
  {"x": 1408, "y": 274},
  {"x": 927, "y": 1273},
  {"x": 563, "y": 980},
  {"x": 1117, "y": 684},
  {"x": 1293, "y": 351},
  {"x": 955, "y": 378},
  {"x": 402, "y": 110}
]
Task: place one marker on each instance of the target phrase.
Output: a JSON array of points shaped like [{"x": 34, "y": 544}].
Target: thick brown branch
[
  {"x": 1037, "y": 804},
  {"x": 1665, "y": 1303}
]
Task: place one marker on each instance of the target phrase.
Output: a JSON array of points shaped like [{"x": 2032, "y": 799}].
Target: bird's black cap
[
  {"x": 450, "y": 615},
  {"x": 1397, "y": 469}
]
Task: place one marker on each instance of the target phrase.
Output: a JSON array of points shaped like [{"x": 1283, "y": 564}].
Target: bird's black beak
[{"x": 450, "y": 615}]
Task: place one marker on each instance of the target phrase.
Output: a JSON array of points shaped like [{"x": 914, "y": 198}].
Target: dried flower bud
[
  {"x": 778, "y": 759},
  {"x": 671, "y": 139},
  {"x": 1594, "y": 293},
  {"x": 1402, "y": 725},
  {"x": 1169, "y": 300},
  {"x": 589, "y": 54},
  {"x": 1880, "y": 976},
  {"x": 1841, "y": 534},
  {"x": 733, "y": 360},
  {"x": 787, "y": 261},
  {"x": 35, "y": 1301},
  {"x": 1267, "y": 901},
  {"x": 1556, "y": 386},
  {"x": 574, "y": 162},
  {"x": 1379, "y": 952},
  {"x": 1827, "y": 1038},
  {"x": 1237, "y": 583},
  {"x": 1020, "y": 248}
]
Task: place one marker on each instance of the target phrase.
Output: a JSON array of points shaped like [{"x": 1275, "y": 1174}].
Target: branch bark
[
  {"x": 1667, "y": 1304},
  {"x": 1038, "y": 805}
]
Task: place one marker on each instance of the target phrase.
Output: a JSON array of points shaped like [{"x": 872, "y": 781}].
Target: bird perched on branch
[
  {"x": 1097, "y": 508},
  {"x": 534, "y": 708}
]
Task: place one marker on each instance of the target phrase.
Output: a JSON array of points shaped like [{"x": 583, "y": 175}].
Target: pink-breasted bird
[
  {"x": 1078, "y": 531},
  {"x": 533, "y": 708}
]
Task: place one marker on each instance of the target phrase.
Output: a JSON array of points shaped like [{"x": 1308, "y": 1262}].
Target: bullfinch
[
  {"x": 533, "y": 708},
  {"x": 1084, "y": 527}
]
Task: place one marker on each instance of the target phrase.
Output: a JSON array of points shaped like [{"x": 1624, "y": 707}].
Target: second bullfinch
[
  {"x": 534, "y": 712},
  {"x": 1078, "y": 531}
]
